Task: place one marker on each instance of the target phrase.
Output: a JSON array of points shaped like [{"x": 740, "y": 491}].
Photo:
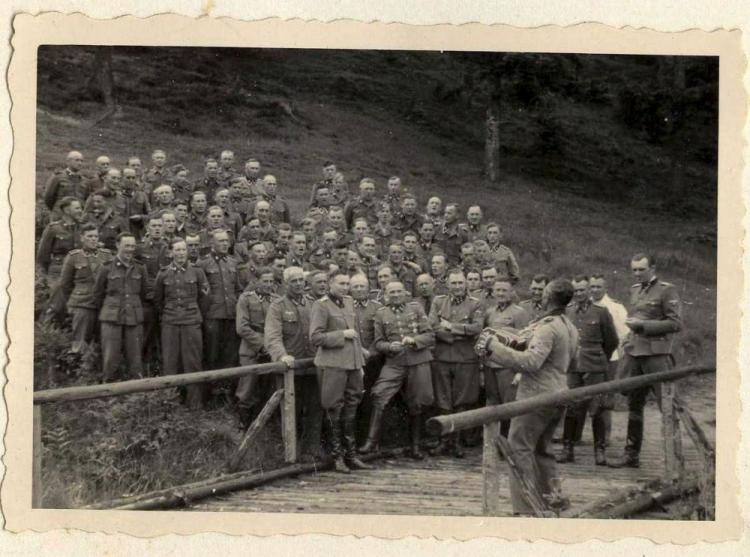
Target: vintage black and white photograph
[{"x": 383, "y": 282}]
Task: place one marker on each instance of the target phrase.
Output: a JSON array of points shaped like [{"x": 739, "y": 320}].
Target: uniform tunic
[
  {"x": 58, "y": 238},
  {"x": 450, "y": 238},
  {"x": 119, "y": 290},
  {"x": 498, "y": 380},
  {"x": 79, "y": 270},
  {"x": 252, "y": 307},
  {"x": 455, "y": 368},
  {"x": 411, "y": 365},
  {"x": 543, "y": 365},
  {"x": 287, "y": 333},
  {"x": 65, "y": 183},
  {"x": 649, "y": 348},
  {"x": 338, "y": 359},
  {"x": 505, "y": 262},
  {"x": 219, "y": 311},
  {"x": 361, "y": 208}
]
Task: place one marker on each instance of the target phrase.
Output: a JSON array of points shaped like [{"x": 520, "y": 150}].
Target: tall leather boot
[
  {"x": 570, "y": 427},
  {"x": 415, "y": 423},
  {"x": 333, "y": 420},
  {"x": 599, "y": 426},
  {"x": 350, "y": 440},
  {"x": 373, "y": 436},
  {"x": 630, "y": 459}
]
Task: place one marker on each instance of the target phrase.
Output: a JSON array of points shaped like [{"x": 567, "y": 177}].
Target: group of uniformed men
[{"x": 192, "y": 276}]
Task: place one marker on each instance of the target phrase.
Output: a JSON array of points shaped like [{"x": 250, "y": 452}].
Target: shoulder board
[
  {"x": 75, "y": 251},
  {"x": 548, "y": 319},
  {"x": 323, "y": 299},
  {"x": 663, "y": 283},
  {"x": 440, "y": 296},
  {"x": 55, "y": 222},
  {"x": 275, "y": 296},
  {"x": 105, "y": 250},
  {"x": 571, "y": 305},
  {"x": 414, "y": 303},
  {"x": 381, "y": 308},
  {"x": 636, "y": 285},
  {"x": 474, "y": 298},
  {"x": 347, "y": 297}
]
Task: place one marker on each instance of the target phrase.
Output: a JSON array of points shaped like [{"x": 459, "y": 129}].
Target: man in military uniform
[
  {"x": 329, "y": 172},
  {"x": 367, "y": 249},
  {"x": 279, "y": 207},
  {"x": 267, "y": 230},
  {"x": 215, "y": 223},
  {"x": 383, "y": 230},
  {"x": 450, "y": 237},
  {"x": 438, "y": 272},
  {"x": 321, "y": 256},
  {"x": 226, "y": 173},
  {"x": 182, "y": 187},
  {"x": 298, "y": 252},
  {"x": 79, "y": 270},
  {"x": 502, "y": 257},
  {"x": 392, "y": 197},
  {"x": 119, "y": 288},
  {"x": 403, "y": 334},
  {"x": 257, "y": 258},
  {"x": 157, "y": 175},
  {"x": 425, "y": 291},
  {"x": 252, "y": 307},
  {"x": 334, "y": 330},
  {"x": 66, "y": 182},
  {"x": 254, "y": 181},
  {"x": 193, "y": 242},
  {"x": 403, "y": 272},
  {"x": 411, "y": 255},
  {"x": 96, "y": 180},
  {"x": 474, "y": 284},
  {"x": 169, "y": 219},
  {"x": 434, "y": 212},
  {"x": 364, "y": 205},
  {"x": 179, "y": 290},
  {"x": 473, "y": 225},
  {"x": 198, "y": 215},
  {"x": 534, "y": 306},
  {"x": 211, "y": 182},
  {"x": 58, "y": 238},
  {"x": 221, "y": 342},
  {"x": 239, "y": 203},
  {"x": 139, "y": 205},
  {"x": 105, "y": 220},
  {"x": 426, "y": 245},
  {"x": 457, "y": 319},
  {"x": 499, "y": 382},
  {"x": 232, "y": 220},
  {"x": 408, "y": 219},
  {"x": 287, "y": 338},
  {"x": 552, "y": 342},
  {"x": 486, "y": 296},
  {"x": 655, "y": 316},
  {"x": 153, "y": 253},
  {"x": 365, "y": 309},
  {"x": 597, "y": 341},
  {"x": 163, "y": 199}
]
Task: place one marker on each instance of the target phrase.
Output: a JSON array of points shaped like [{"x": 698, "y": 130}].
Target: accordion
[{"x": 511, "y": 339}]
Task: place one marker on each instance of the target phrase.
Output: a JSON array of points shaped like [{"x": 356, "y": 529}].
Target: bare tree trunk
[
  {"x": 103, "y": 80},
  {"x": 492, "y": 142}
]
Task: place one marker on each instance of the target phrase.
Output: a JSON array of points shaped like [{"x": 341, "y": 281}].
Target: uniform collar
[
  {"x": 360, "y": 303},
  {"x": 300, "y": 300},
  {"x": 397, "y": 308},
  {"x": 264, "y": 296},
  {"x": 457, "y": 300},
  {"x": 218, "y": 256},
  {"x": 177, "y": 267},
  {"x": 649, "y": 283},
  {"x": 502, "y": 306},
  {"x": 336, "y": 300},
  {"x": 582, "y": 307}
]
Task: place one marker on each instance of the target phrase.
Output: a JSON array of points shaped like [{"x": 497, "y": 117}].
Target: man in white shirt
[{"x": 598, "y": 290}]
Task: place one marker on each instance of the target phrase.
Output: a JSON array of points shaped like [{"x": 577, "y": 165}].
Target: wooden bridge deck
[{"x": 448, "y": 486}]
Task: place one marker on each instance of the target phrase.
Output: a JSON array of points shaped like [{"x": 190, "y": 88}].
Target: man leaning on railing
[{"x": 552, "y": 343}]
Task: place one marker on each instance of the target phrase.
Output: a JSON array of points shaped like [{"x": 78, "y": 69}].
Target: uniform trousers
[
  {"x": 84, "y": 327},
  {"x": 418, "y": 381},
  {"x": 455, "y": 383},
  {"x": 634, "y": 366},
  {"x": 221, "y": 343},
  {"x": 529, "y": 437},
  {"x": 499, "y": 388},
  {"x": 114, "y": 336},
  {"x": 309, "y": 414},
  {"x": 596, "y": 407},
  {"x": 182, "y": 352},
  {"x": 340, "y": 388},
  {"x": 150, "y": 334},
  {"x": 372, "y": 368},
  {"x": 252, "y": 388}
]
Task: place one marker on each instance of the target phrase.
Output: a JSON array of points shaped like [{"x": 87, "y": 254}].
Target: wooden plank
[
  {"x": 490, "y": 469},
  {"x": 254, "y": 429},
  {"x": 673, "y": 458},
  {"x": 164, "y": 382},
  {"x": 38, "y": 450},
  {"x": 449, "y": 423},
  {"x": 289, "y": 418}
]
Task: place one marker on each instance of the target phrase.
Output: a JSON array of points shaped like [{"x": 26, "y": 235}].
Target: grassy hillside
[
  {"x": 581, "y": 191},
  {"x": 378, "y": 114}
]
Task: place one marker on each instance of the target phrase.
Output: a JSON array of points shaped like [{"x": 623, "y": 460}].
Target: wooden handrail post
[
  {"x": 674, "y": 462},
  {"x": 254, "y": 429},
  {"x": 38, "y": 449},
  {"x": 289, "y": 418},
  {"x": 490, "y": 470}
]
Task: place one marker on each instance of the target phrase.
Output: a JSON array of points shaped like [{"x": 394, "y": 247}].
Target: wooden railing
[
  {"x": 496, "y": 447},
  {"x": 284, "y": 397}
]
